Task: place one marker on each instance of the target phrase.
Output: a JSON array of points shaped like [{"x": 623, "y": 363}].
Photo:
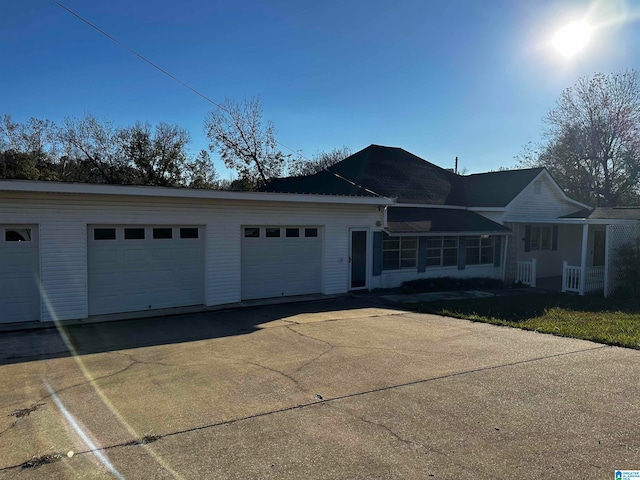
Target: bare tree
[
  {"x": 592, "y": 139},
  {"x": 320, "y": 161},
  {"x": 236, "y": 131}
]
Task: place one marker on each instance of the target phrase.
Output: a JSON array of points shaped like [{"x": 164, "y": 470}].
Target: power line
[{"x": 186, "y": 85}]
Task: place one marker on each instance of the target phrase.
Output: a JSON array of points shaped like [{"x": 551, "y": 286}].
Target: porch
[{"x": 564, "y": 256}]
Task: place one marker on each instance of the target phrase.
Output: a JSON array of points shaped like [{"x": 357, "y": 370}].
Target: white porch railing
[
  {"x": 572, "y": 278},
  {"x": 526, "y": 272}
]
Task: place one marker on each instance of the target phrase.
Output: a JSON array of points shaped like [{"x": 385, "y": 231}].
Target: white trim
[
  {"x": 555, "y": 186},
  {"x": 578, "y": 221},
  {"x": 445, "y": 234},
  {"x": 167, "y": 192},
  {"x": 428, "y": 205},
  {"x": 486, "y": 209}
]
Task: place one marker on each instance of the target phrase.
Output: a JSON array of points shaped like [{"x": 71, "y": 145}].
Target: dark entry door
[
  {"x": 599, "y": 242},
  {"x": 358, "y": 259}
]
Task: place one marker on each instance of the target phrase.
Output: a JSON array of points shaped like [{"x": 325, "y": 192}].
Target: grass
[{"x": 608, "y": 321}]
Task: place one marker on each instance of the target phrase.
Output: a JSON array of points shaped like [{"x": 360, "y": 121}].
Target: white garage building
[{"x": 76, "y": 251}]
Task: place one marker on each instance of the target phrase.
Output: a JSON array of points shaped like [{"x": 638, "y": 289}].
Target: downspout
[{"x": 384, "y": 217}]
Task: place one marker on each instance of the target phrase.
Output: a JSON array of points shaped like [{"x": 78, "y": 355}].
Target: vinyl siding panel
[
  {"x": 63, "y": 220},
  {"x": 531, "y": 206}
]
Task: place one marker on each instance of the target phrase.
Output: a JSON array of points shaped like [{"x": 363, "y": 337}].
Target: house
[
  {"x": 380, "y": 217},
  {"x": 516, "y": 225}
]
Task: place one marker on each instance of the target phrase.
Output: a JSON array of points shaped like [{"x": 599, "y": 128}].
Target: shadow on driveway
[{"x": 82, "y": 339}]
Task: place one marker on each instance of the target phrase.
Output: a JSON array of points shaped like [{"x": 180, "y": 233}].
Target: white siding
[
  {"x": 529, "y": 206},
  {"x": 63, "y": 221}
]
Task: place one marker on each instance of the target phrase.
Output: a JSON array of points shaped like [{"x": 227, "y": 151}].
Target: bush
[
  {"x": 628, "y": 261},
  {"x": 444, "y": 284}
]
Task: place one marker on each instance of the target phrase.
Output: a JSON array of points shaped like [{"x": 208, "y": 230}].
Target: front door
[
  {"x": 358, "y": 259},
  {"x": 599, "y": 242}
]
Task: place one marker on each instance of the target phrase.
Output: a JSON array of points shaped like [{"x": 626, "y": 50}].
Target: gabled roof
[
  {"x": 497, "y": 189},
  {"x": 388, "y": 171},
  {"x": 395, "y": 173},
  {"x": 420, "y": 220}
]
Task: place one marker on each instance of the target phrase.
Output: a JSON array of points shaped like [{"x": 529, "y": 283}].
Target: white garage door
[
  {"x": 134, "y": 268},
  {"x": 281, "y": 261},
  {"x": 19, "y": 272}
]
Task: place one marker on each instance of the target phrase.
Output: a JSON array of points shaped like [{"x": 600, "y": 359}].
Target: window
[
  {"x": 480, "y": 250},
  {"x": 251, "y": 232},
  {"x": 17, "y": 235},
  {"x": 272, "y": 232},
  {"x": 442, "y": 251},
  {"x": 104, "y": 234},
  {"x": 162, "y": 233},
  {"x": 541, "y": 237},
  {"x": 292, "y": 232},
  {"x": 134, "y": 233},
  {"x": 310, "y": 232},
  {"x": 399, "y": 252},
  {"x": 189, "y": 232}
]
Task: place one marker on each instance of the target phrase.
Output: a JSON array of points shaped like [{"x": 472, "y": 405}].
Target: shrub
[
  {"x": 443, "y": 284},
  {"x": 628, "y": 262}
]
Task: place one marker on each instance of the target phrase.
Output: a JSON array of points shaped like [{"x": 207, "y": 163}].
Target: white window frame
[
  {"x": 407, "y": 252},
  {"x": 436, "y": 249},
  {"x": 489, "y": 246}
]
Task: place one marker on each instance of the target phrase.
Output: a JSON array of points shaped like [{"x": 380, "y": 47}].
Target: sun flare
[{"x": 572, "y": 38}]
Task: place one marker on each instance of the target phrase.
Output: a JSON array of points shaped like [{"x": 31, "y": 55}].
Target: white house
[{"x": 380, "y": 217}]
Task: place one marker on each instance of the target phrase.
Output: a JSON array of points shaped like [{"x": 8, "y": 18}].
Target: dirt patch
[{"x": 36, "y": 462}]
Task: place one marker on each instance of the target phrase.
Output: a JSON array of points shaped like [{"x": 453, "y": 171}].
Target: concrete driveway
[{"x": 334, "y": 389}]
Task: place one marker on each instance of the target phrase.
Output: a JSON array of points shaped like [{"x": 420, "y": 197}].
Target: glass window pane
[
  {"x": 189, "y": 232},
  {"x": 251, "y": 232},
  {"x": 450, "y": 257},
  {"x": 450, "y": 241},
  {"x": 473, "y": 256},
  {"x": 162, "y": 233},
  {"x": 310, "y": 232},
  {"x": 134, "y": 233},
  {"x": 292, "y": 232},
  {"x": 409, "y": 242},
  {"x": 390, "y": 260},
  {"x": 104, "y": 234},
  {"x": 487, "y": 242},
  {"x": 545, "y": 238},
  {"x": 434, "y": 242},
  {"x": 391, "y": 244},
  {"x": 487, "y": 257},
  {"x": 272, "y": 232},
  {"x": 473, "y": 241},
  {"x": 407, "y": 263},
  {"x": 17, "y": 235}
]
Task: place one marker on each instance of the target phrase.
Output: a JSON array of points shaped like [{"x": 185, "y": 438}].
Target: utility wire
[{"x": 189, "y": 87}]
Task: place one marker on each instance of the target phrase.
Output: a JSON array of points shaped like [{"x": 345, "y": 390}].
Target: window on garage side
[
  {"x": 442, "y": 251},
  {"x": 480, "y": 250},
  {"x": 17, "y": 235},
  {"x": 189, "y": 232},
  {"x": 251, "y": 232},
  {"x": 399, "y": 252},
  {"x": 292, "y": 232},
  {"x": 104, "y": 233},
  {"x": 272, "y": 232},
  {"x": 134, "y": 233},
  {"x": 310, "y": 232},
  {"x": 162, "y": 233}
]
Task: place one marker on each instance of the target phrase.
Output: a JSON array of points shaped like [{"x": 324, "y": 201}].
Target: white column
[
  {"x": 565, "y": 264},
  {"x": 606, "y": 261},
  {"x": 583, "y": 258}
]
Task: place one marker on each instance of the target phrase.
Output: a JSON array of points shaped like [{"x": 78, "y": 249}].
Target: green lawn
[{"x": 610, "y": 321}]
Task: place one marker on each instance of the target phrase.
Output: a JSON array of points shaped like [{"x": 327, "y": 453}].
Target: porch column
[{"x": 583, "y": 258}]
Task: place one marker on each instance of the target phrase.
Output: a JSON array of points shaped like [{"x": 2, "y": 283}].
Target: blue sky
[{"x": 441, "y": 79}]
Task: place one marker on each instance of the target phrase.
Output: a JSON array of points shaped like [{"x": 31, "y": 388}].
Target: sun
[{"x": 572, "y": 38}]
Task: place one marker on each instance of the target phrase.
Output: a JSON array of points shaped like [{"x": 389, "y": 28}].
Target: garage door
[
  {"x": 134, "y": 268},
  {"x": 19, "y": 271},
  {"x": 281, "y": 261}
]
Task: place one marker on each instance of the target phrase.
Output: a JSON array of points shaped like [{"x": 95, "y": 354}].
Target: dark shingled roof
[
  {"x": 395, "y": 173},
  {"x": 608, "y": 213},
  {"x": 412, "y": 220},
  {"x": 497, "y": 189}
]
